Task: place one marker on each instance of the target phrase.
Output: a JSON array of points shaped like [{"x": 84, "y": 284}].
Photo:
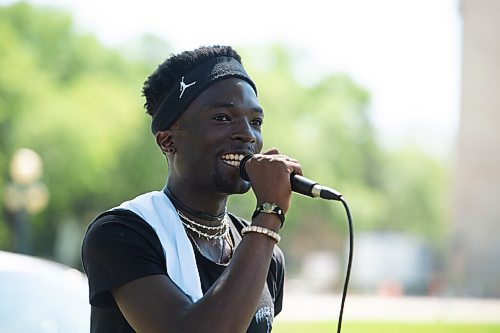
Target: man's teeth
[{"x": 232, "y": 159}]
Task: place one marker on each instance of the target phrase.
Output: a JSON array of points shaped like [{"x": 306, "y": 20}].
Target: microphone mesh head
[{"x": 243, "y": 172}]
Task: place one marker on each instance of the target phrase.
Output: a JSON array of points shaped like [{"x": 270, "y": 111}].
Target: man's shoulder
[
  {"x": 121, "y": 213},
  {"x": 117, "y": 215},
  {"x": 118, "y": 219}
]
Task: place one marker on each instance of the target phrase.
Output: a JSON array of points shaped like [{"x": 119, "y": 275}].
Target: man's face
[{"x": 225, "y": 119}]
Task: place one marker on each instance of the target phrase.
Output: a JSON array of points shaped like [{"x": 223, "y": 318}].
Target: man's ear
[{"x": 165, "y": 141}]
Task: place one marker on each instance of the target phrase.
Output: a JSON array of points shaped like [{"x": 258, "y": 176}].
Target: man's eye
[
  {"x": 221, "y": 117},
  {"x": 257, "y": 122}
]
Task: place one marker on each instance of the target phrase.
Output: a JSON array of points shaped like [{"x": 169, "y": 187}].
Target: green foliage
[
  {"x": 78, "y": 105},
  {"x": 417, "y": 187},
  {"x": 327, "y": 127}
]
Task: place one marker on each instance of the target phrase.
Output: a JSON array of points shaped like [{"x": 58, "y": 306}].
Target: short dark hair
[{"x": 159, "y": 84}]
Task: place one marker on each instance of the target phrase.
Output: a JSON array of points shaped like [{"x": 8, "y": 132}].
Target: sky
[{"x": 406, "y": 53}]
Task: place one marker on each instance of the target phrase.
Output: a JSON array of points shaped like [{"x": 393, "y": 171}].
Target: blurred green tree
[
  {"x": 327, "y": 126},
  {"x": 78, "y": 105}
]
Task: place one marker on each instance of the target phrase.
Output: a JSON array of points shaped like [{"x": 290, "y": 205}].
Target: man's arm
[{"x": 154, "y": 304}]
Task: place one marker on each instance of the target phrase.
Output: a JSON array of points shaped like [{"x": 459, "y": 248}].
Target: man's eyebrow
[
  {"x": 229, "y": 105},
  {"x": 222, "y": 105}
]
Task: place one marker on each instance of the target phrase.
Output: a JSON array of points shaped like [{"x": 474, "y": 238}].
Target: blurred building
[
  {"x": 474, "y": 268},
  {"x": 391, "y": 263}
]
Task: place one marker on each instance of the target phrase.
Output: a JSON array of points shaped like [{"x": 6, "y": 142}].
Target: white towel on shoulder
[{"x": 159, "y": 212}]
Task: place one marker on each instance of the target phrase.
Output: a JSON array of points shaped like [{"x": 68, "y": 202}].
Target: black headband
[{"x": 194, "y": 83}]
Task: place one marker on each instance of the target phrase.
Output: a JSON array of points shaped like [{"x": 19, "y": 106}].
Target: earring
[{"x": 170, "y": 149}]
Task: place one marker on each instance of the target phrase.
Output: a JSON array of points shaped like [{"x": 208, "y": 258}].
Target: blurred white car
[{"x": 41, "y": 296}]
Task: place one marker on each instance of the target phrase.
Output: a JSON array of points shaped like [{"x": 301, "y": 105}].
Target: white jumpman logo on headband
[{"x": 184, "y": 86}]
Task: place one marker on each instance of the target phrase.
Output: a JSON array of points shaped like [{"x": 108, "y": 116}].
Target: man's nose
[{"x": 244, "y": 132}]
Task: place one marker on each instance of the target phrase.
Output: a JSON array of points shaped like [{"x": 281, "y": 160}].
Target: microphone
[{"x": 300, "y": 184}]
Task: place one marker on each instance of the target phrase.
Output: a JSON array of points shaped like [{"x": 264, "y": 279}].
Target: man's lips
[{"x": 232, "y": 159}]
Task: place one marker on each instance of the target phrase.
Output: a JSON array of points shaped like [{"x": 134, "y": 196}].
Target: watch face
[{"x": 268, "y": 207}]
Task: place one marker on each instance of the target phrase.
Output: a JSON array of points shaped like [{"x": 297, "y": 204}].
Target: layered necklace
[
  {"x": 205, "y": 231},
  {"x": 218, "y": 235},
  {"x": 213, "y": 234}
]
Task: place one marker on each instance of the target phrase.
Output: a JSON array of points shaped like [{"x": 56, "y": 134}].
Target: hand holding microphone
[
  {"x": 269, "y": 174},
  {"x": 302, "y": 185},
  {"x": 299, "y": 183}
]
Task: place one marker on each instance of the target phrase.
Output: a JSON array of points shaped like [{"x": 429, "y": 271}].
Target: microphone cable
[{"x": 349, "y": 263}]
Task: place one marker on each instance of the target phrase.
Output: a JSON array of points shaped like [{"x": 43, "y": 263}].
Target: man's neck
[{"x": 198, "y": 200}]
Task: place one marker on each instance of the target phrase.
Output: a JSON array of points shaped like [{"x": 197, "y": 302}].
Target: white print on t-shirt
[{"x": 265, "y": 313}]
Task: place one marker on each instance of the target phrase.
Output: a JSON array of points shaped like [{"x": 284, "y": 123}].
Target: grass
[{"x": 378, "y": 327}]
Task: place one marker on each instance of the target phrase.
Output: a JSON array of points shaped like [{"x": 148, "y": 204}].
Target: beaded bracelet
[{"x": 261, "y": 230}]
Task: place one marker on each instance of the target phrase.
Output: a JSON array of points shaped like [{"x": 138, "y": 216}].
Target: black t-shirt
[{"x": 120, "y": 247}]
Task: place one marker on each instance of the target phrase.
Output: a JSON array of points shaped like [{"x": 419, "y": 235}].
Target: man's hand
[{"x": 269, "y": 174}]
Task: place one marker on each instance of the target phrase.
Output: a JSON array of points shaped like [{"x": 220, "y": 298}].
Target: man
[{"x": 175, "y": 260}]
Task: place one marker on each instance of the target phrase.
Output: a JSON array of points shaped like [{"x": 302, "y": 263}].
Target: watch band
[{"x": 270, "y": 208}]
